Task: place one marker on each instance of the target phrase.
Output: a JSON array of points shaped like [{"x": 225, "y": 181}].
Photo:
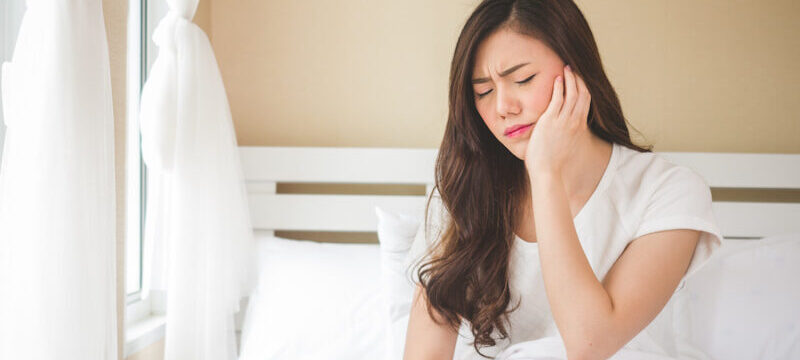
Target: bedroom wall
[
  {"x": 691, "y": 75},
  {"x": 115, "y": 15}
]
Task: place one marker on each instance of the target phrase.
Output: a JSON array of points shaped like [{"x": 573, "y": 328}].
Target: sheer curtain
[
  {"x": 57, "y": 204},
  {"x": 198, "y": 237},
  {"x": 10, "y": 16}
]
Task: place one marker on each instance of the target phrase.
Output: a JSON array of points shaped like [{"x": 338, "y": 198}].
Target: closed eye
[
  {"x": 526, "y": 80},
  {"x": 480, "y": 95}
]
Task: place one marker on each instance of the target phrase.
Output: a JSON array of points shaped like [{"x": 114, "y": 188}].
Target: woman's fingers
[
  {"x": 554, "y": 108},
  {"x": 581, "y": 110},
  {"x": 571, "y": 91}
]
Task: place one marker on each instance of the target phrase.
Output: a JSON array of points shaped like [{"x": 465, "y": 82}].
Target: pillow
[
  {"x": 396, "y": 234},
  {"x": 744, "y": 303},
  {"x": 315, "y": 301},
  {"x": 403, "y": 243}
]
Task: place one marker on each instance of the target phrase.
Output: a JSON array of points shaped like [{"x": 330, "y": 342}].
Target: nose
[{"x": 507, "y": 103}]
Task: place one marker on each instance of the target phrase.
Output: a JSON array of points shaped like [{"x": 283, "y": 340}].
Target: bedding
[
  {"x": 332, "y": 301},
  {"x": 745, "y": 304},
  {"x": 552, "y": 348},
  {"x": 351, "y": 301},
  {"x": 315, "y": 301},
  {"x": 396, "y": 232}
]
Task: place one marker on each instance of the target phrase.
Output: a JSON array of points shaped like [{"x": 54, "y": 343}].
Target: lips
[{"x": 517, "y": 129}]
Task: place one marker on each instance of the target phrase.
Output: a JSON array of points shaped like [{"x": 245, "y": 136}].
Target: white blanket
[{"x": 552, "y": 348}]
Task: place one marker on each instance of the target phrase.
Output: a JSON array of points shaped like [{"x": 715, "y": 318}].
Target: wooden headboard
[{"x": 264, "y": 167}]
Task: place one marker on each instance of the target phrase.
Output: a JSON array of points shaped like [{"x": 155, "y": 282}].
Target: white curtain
[
  {"x": 57, "y": 204},
  {"x": 198, "y": 237},
  {"x": 11, "y": 12}
]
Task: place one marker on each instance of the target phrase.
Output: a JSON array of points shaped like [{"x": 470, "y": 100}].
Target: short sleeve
[
  {"x": 681, "y": 199},
  {"x": 427, "y": 236}
]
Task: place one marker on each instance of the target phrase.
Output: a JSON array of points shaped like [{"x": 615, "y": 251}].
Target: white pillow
[
  {"x": 315, "y": 301},
  {"x": 745, "y": 303},
  {"x": 404, "y": 242},
  {"x": 396, "y": 233}
]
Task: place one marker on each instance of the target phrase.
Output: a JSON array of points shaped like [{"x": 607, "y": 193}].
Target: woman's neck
[{"x": 581, "y": 174}]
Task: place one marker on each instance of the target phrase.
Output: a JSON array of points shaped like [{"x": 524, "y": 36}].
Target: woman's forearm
[{"x": 580, "y": 304}]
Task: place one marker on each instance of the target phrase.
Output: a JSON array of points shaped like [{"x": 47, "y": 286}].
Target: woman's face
[{"x": 513, "y": 83}]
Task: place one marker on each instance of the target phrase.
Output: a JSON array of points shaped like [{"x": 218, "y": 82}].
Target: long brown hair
[{"x": 480, "y": 182}]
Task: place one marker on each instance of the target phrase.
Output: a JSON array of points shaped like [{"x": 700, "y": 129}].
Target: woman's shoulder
[
  {"x": 646, "y": 171},
  {"x": 645, "y": 177},
  {"x": 651, "y": 193}
]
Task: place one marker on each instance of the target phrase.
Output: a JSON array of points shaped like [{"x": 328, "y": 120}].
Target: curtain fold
[
  {"x": 11, "y": 12},
  {"x": 198, "y": 236},
  {"x": 57, "y": 195}
]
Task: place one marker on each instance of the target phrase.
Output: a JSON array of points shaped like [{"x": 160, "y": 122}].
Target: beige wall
[
  {"x": 705, "y": 75},
  {"x": 691, "y": 75},
  {"x": 115, "y": 14}
]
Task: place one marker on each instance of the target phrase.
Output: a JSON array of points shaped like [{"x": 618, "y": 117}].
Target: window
[
  {"x": 143, "y": 16},
  {"x": 134, "y": 167},
  {"x": 144, "y": 320},
  {"x": 142, "y": 53},
  {"x": 11, "y": 12}
]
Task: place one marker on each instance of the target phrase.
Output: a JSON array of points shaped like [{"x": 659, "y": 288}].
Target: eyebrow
[{"x": 502, "y": 74}]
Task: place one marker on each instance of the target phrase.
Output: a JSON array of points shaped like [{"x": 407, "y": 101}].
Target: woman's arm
[
  {"x": 425, "y": 339},
  {"x": 596, "y": 319}
]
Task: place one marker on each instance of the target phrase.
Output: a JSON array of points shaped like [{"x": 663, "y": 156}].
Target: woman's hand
[{"x": 561, "y": 128}]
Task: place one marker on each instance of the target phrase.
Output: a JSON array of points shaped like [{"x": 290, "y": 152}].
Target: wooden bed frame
[{"x": 264, "y": 167}]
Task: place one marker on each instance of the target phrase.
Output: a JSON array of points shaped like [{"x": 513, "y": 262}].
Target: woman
[{"x": 555, "y": 225}]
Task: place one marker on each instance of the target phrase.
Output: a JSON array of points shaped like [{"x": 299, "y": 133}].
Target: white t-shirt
[{"x": 639, "y": 193}]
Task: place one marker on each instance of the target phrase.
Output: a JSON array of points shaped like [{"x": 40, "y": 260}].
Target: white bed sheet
[{"x": 316, "y": 301}]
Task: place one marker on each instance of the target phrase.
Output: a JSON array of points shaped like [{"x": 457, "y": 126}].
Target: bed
[{"x": 334, "y": 300}]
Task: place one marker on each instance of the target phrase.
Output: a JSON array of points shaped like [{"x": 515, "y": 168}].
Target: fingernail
[
  {"x": 558, "y": 78},
  {"x": 568, "y": 68}
]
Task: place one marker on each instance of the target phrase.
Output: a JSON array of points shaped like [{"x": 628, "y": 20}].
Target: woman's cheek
[
  {"x": 539, "y": 100},
  {"x": 485, "y": 116}
]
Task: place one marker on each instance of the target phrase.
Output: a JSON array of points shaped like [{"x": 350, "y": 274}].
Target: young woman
[{"x": 554, "y": 224}]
